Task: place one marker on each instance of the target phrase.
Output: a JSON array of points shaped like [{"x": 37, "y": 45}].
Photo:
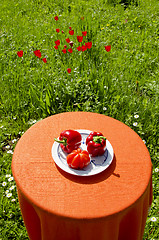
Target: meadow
[{"x": 113, "y": 71}]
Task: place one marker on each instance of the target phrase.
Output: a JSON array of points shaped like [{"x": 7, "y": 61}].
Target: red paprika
[
  {"x": 96, "y": 144},
  {"x": 69, "y": 140},
  {"x": 78, "y": 159}
]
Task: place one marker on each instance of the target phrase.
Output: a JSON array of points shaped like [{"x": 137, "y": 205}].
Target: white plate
[{"x": 97, "y": 164}]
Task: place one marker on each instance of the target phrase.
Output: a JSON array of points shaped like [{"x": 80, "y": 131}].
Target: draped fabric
[{"x": 112, "y": 205}]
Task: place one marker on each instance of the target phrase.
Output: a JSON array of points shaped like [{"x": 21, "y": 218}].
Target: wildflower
[
  {"x": 156, "y": 169},
  {"x": 10, "y": 151},
  {"x": 57, "y": 42},
  {"x": 65, "y": 46},
  {"x": 71, "y": 32},
  {"x": 64, "y": 50},
  {"x": 8, "y": 175},
  {"x": 71, "y": 43},
  {"x": 84, "y": 48},
  {"x": 102, "y": 28},
  {"x": 8, "y": 195},
  {"x": 88, "y": 44},
  {"x": 153, "y": 219},
  {"x": 56, "y": 18},
  {"x": 37, "y": 53},
  {"x": 69, "y": 70},
  {"x": 144, "y": 141},
  {"x": 108, "y": 48},
  {"x": 56, "y": 47},
  {"x": 4, "y": 184},
  {"x": 67, "y": 40},
  {"x": 10, "y": 179},
  {"x": 70, "y": 28},
  {"x": 104, "y": 108},
  {"x": 79, "y": 38},
  {"x": 62, "y": 31},
  {"x": 14, "y": 140},
  {"x": 13, "y": 200},
  {"x": 108, "y": 25},
  {"x": 1, "y": 126},
  {"x": 84, "y": 33},
  {"x": 57, "y": 30},
  {"x": 79, "y": 48},
  {"x": 44, "y": 60},
  {"x": 135, "y": 124},
  {"x": 7, "y": 147},
  {"x": 70, "y": 50},
  {"x": 7, "y": 191},
  {"x": 136, "y": 116},
  {"x": 11, "y": 188},
  {"x": 20, "y": 53}
]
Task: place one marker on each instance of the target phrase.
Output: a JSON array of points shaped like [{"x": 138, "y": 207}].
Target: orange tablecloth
[{"x": 55, "y": 205}]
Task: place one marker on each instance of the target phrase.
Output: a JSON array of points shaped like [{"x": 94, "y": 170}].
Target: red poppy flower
[
  {"x": 79, "y": 38},
  {"x": 69, "y": 70},
  {"x": 57, "y": 42},
  {"x": 84, "y": 33},
  {"x": 65, "y": 46},
  {"x": 56, "y": 47},
  {"x": 62, "y": 31},
  {"x": 84, "y": 48},
  {"x": 57, "y": 30},
  {"x": 79, "y": 48},
  {"x": 44, "y": 60},
  {"x": 70, "y": 28},
  {"x": 70, "y": 50},
  {"x": 71, "y": 43},
  {"x": 56, "y": 18},
  {"x": 71, "y": 32},
  {"x": 37, "y": 53},
  {"x": 64, "y": 50},
  {"x": 67, "y": 40},
  {"x": 20, "y": 53},
  {"x": 88, "y": 44},
  {"x": 108, "y": 48}
]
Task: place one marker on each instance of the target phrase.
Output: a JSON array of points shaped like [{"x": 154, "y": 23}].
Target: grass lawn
[{"x": 116, "y": 73}]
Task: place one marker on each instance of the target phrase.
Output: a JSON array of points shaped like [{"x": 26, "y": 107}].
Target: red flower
[
  {"x": 56, "y": 18},
  {"x": 62, "y": 31},
  {"x": 70, "y": 50},
  {"x": 79, "y": 48},
  {"x": 71, "y": 32},
  {"x": 108, "y": 48},
  {"x": 57, "y": 42},
  {"x": 57, "y": 30},
  {"x": 88, "y": 44},
  {"x": 67, "y": 40},
  {"x": 84, "y": 33},
  {"x": 65, "y": 46},
  {"x": 64, "y": 50},
  {"x": 37, "y": 53},
  {"x": 70, "y": 28},
  {"x": 20, "y": 53},
  {"x": 71, "y": 43},
  {"x": 56, "y": 47},
  {"x": 44, "y": 60},
  {"x": 79, "y": 38},
  {"x": 84, "y": 48},
  {"x": 69, "y": 70}
]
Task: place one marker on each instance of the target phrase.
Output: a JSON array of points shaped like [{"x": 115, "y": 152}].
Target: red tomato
[{"x": 78, "y": 159}]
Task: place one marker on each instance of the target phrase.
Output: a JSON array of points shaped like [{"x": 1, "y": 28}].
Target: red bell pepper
[
  {"x": 69, "y": 140},
  {"x": 96, "y": 144},
  {"x": 78, "y": 159}
]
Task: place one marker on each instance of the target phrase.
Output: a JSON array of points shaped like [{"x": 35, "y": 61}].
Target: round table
[{"x": 56, "y": 205}]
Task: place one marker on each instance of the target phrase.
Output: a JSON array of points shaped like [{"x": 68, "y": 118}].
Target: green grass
[{"x": 121, "y": 83}]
